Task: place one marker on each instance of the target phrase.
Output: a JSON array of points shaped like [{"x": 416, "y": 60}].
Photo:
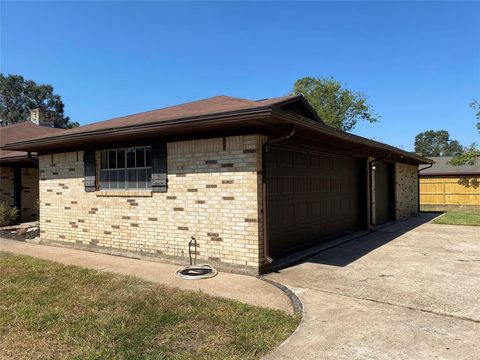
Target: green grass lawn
[
  {"x": 460, "y": 217},
  {"x": 53, "y": 311}
]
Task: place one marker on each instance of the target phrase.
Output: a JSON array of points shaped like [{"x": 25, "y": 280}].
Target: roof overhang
[
  {"x": 165, "y": 129},
  {"x": 20, "y": 160},
  {"x": 264, "y": 120},
  {"x": 353, "y": 144}
]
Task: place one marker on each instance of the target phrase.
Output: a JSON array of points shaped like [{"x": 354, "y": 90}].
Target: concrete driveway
[{"x": 408, "y": 291}]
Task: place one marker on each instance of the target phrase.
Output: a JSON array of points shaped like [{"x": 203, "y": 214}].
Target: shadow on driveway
[{"x": 348, "y": 252}]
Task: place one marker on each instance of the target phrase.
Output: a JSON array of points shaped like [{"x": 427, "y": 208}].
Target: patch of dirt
[{"x": 20, "y": 234}]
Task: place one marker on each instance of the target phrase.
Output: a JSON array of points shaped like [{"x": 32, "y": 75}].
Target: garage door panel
[
  {"x": 287, "y": 185},
  {"x": 315, "y": 198}
]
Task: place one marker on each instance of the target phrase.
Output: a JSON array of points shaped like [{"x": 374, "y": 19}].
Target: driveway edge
[{"x": 295, "y": 300}]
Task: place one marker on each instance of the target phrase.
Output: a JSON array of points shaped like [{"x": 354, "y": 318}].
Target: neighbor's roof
[
  {"x": 205, "y": 116},
  {"x": 442, "y": 167},
  {"x": 20, "y": 132}
]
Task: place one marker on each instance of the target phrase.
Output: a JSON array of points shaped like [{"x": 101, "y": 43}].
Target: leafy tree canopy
[
  {"x": 437, "y": 143},
  {"x": 470, "y": 155},
  {"x": 339, "y": 107},
  {"x": 18, "y": 96}
]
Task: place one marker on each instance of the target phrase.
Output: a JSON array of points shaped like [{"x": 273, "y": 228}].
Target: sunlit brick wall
[
  {"x": 406, "y": 191},
  {"x": 214, "y": 194}
]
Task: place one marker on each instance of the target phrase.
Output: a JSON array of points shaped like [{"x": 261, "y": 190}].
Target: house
[
  {"x": 252, "y": 181},
  {"x": 19, "y": 169},
  {"x": 444, "y": 184}
]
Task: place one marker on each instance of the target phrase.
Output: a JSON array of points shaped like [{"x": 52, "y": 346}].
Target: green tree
[
  {"x": 337, "y": 106},
  {"x": 470, "y": 155},
  {"x": 437, "y": 143},
  {"x": 18, "y": 96}
]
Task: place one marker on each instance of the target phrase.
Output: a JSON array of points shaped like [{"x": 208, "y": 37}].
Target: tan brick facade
[
  {"x": 214, "y": 194},
  {"x": 406, "y": 191},
  {"x": 29, "y": 179}
]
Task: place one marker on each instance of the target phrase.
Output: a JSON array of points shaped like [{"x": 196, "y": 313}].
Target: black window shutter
[
  {"x": 159, "y": 166},
  {"x": 90, "y": 170}
]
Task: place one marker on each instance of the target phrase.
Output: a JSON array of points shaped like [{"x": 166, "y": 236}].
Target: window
[{"x": 129, "y": 168}]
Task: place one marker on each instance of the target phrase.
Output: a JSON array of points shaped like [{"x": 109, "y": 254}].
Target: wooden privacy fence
[{"x": 450, "y": 190}]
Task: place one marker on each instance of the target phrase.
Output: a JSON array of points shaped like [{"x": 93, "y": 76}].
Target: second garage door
[{"x": 312, "y": 198}]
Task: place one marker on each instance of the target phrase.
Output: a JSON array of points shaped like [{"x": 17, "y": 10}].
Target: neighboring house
[
  {"x": 19, "y": 169},
  {"x": 252, "y": 181},
  {"x": 446, "y": 184}
]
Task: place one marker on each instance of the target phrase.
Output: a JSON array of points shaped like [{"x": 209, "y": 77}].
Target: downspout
[
  {"x": 418, "y": 184},
  {"x": 30, "y": 157},
  {"x": 370, "y": 182},
  {"x": 266, "y": 250}
]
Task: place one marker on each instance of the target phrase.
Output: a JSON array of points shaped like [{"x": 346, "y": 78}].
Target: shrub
[{"x": 8, "y": 215}]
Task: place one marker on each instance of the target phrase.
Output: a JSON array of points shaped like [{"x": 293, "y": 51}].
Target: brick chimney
[{"x": 41, "y": 116}]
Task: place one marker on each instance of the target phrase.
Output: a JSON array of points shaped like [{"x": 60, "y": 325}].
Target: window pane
[
  {"x": 112, "y": 159},
  {"x": 120, "y": 158},
  {"x": 131, "y": 157},
  {"x": 140, "y": 157},
  {"x": 104, "y": 179},
  {"x": 103, "y": 160},
  {"x": 148, "y": 156},
  {"x": 142, "y": 179},
  {"x": 131, "y": 179},
  {"x": 121, "y": 179},
  {"x": 113, "y": 179},
  {"x": 149, "y": 178}
]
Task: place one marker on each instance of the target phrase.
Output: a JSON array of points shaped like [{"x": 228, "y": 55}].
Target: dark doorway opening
[
  {"x": 384, "y": 192},
  {"x": 17, "y": 190}
]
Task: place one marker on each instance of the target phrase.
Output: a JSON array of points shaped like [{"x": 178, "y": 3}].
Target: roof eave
[
  {"x": 161, "y": 126},
  {"x": 325, "y": 129}
]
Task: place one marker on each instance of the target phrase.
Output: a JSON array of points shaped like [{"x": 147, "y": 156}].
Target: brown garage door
[{"x": 312, "y": 198}]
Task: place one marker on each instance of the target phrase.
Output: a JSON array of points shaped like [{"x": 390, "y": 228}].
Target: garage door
[{"x": 312, "y": 198}]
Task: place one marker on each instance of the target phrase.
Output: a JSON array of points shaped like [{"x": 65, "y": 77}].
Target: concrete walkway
[
  {"x": 408, "y": 291},
  {"x": 246, "y": 289}
]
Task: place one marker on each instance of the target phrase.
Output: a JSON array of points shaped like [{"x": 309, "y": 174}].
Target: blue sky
[{"x": 418, "y": 62}]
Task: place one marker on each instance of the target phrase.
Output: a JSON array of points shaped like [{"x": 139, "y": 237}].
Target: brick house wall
[
  {"x": 29, "y": 205},
  {"x": 406, "y": 191},
  {"x": 214, "y": 194}
]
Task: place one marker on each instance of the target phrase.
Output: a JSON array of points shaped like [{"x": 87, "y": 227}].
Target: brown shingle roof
[
  {"x": 213, "y": 105},
  {"x": 442, "y": 167},
  {"x": 220, "y": 113},
  {"x": 20, "y": 132}
]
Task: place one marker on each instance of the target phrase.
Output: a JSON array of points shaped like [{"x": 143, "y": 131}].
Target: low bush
[{"x": 8, "y": 215}]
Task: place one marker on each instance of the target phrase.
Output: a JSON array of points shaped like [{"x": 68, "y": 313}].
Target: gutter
[
  {"x": 418, "y": 184},
  {"x": 370, "y": 183},
  {"x": 265, "y": 147}
]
